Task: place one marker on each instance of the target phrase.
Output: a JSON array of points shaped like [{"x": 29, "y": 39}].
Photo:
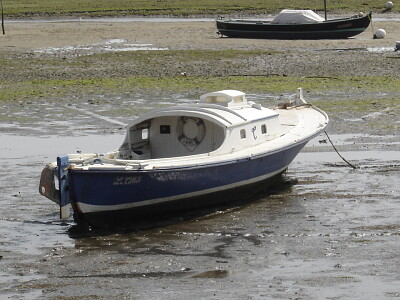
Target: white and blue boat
[{"x": 182, "y": 158}]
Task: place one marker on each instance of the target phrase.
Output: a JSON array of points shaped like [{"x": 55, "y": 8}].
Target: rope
[{"x": 351, "y": 165}]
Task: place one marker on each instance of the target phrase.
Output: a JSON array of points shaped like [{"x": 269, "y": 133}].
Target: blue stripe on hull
[
  {"x": 148, "y": 216},
  {"x": 96, "y": 191}
]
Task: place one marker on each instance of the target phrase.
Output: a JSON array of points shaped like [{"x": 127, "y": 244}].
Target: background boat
[{"x": 327, "y": 29}]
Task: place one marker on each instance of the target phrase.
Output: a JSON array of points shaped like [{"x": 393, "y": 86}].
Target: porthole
[
  {"x": 165, "y": 129},
  {"x": 242, "y": 133},
  {"x": 145, "y": 134},
  {"x": 263, "y": 129}
]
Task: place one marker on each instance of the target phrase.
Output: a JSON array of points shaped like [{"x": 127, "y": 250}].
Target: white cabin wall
[
  {"x": 168, "y": 145},
  {"x": 273, "y": 128},
  {"x": 236, "y": 142}
]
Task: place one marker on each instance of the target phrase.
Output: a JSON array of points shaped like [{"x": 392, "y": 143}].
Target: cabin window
[
  {"x": 145, "y": 134},
  {"x": 242, "y": 133},
  {"x": 263, "y": 129},
  {"x": 216, "y": 99},
  {"x": 238, "y": 99},
  {"x": 165, "y": 129}
]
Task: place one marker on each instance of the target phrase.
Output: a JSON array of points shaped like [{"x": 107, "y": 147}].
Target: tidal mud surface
[
  {"x": 74, "y": 41},
  {"x": 334, "y": 234}
]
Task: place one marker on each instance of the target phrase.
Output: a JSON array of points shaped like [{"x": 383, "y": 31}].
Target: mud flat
[
  {"x": 359, "y": 56},
  {"x": 333, "y": 235},
  {"x": 174, "y": 35}
]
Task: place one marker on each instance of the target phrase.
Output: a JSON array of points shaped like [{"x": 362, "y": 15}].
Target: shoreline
[
  {"x": 58, "y": 40},
  {"x": 376, "y": 17},
  {"x": 174, "y": 33}
]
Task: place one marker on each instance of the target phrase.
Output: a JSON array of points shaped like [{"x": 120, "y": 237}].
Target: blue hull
[{"x": 111, "y": 197}]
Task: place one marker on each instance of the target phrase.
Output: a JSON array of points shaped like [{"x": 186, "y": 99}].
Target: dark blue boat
[{"x": 182, "y": 158}]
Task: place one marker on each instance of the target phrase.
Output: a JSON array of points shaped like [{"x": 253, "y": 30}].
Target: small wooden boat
[
  {"x": 295, "y": 25},
  {"x": 182, "y": 158}
]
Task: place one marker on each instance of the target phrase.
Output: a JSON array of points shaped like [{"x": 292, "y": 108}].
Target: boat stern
[{"x": 54, "y": 185}]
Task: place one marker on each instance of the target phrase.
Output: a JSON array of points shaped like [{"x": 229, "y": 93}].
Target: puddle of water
[
  {"x": 381, "y": 49},
  {"x": 285, "y": 245},
  {"x": 350, "y": 139},
  {"x": 356, "y": 156},
  {"x": 113, "y": 45},
  {"x": 27, "y": 296},
  {"x": 22, "y": 148}
]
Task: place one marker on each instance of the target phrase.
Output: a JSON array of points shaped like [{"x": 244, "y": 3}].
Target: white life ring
[{"x": 190, "y": 131}]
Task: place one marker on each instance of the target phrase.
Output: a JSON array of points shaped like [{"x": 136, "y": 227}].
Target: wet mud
[
  {"x": 63, "y": 50},
  {"x": 332, "y": 233}
]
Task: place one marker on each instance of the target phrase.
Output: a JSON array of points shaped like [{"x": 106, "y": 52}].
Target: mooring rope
[{"x": 329, "y": 139}]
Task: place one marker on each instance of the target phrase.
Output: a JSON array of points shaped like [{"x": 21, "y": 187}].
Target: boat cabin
[{"x": 222, "y": 122}]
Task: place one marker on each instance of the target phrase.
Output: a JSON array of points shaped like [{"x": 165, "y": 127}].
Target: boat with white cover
[
  {"x": 295, "y": 25},
  {"x": 182, "y": 158}
]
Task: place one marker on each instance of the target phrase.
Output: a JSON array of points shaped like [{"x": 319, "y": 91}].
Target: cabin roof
[{"x": 227, "y": 108}]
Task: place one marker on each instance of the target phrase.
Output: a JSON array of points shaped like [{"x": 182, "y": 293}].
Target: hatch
[{"x": 225, "y": 98}]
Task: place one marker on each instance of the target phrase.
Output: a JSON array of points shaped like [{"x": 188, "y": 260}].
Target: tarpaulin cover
[{"x": 290, "y": 16}]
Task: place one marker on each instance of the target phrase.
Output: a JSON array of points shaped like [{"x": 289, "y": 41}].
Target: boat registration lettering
[
  {"x": 126, "y": 180},
  {"x": 253, "y": 131},
  {"x": 347, "y": 25}
]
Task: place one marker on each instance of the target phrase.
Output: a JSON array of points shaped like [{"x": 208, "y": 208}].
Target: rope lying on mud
[{"x": 329, "y": 139}]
